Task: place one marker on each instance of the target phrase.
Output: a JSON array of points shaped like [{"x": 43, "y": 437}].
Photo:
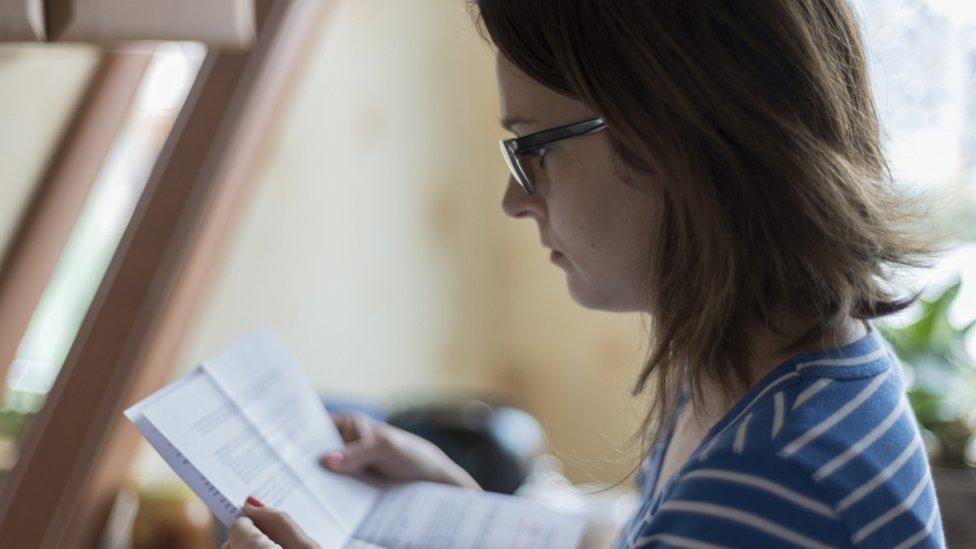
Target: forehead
[{"x": 523, "y": 98}]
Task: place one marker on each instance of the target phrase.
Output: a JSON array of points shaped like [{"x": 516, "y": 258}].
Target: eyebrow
[{"x": 510, "y": 121}]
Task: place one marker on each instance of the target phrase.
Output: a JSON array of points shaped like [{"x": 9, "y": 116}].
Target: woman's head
[
  {"x": 740, "y": 179},
  {"x": 596, "y": 222}
]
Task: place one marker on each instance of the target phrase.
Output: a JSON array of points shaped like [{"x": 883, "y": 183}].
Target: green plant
[
  {"x": 12, "y": 423},
  {"x": 941, "y": 376}
]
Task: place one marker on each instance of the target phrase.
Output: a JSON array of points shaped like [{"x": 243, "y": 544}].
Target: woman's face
[{"x": 593, "y": 212}]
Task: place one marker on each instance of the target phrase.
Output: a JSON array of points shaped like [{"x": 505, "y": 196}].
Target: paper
[
  {"x": 437, "y": 516},
  {"x": 248, "y": 423},
  {"x": 290, "y": 417}
]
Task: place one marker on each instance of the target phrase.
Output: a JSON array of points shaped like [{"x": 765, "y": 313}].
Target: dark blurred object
[
  {"x": 340, "y": 405},
  {"x": 956, "y": 491},
  {"x": 495, "y": 444},
  {"x": 160, "y": 514},
  {"x": 171, "y": 517}
]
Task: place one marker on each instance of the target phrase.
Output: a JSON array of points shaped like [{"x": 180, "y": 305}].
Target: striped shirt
[{"x": 824, "y": 451}]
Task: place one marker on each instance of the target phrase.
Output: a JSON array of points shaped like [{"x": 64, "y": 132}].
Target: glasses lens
[{"x": 515, "y": 167}]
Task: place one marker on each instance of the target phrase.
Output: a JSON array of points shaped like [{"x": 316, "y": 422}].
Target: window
[{"x": 94, "y": 238}]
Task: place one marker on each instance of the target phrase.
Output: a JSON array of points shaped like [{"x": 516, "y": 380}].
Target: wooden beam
[
  {"x": 22, "y": 21},
  {"x": 62, "y": 190},
  {"x": 78, "y": 453},
  {"x": 219, "y": 24}
]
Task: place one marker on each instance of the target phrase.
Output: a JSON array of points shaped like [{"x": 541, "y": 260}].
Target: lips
[{"x": 554, "y": 254}]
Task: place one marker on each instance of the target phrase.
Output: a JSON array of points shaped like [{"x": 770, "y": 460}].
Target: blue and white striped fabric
[{"x": 823, "y": 452}]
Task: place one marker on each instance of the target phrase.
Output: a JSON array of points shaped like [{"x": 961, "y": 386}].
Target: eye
[{"x": 540, "y": 154}]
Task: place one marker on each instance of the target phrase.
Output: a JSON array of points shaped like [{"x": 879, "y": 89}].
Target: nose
[{"x": 517, "y": 203}]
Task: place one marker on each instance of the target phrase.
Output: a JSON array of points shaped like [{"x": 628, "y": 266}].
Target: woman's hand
[
  {"x": 371, "y": 446},
  {"x": 266, "y": 528},
  {"x": 392, "y": 453}
]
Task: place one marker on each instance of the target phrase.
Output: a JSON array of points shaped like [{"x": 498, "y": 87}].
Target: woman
[{"x": 716, "y": 165}]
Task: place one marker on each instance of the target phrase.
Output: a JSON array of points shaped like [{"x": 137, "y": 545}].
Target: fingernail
[
  {"x": 334, "y": 459},
  {"x": 253, "y": 501}
]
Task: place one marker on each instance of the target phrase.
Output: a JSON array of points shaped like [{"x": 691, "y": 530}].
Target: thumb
[
  {"x": 353, "y": 458},
  {"x": 278, "y": 526},
  {"x": 244, "y": 533}
]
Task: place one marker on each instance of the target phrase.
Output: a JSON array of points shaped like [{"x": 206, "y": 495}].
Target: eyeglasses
[{"x": 512, "y": 149}]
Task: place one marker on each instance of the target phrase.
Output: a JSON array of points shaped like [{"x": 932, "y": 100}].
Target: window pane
[
  {"x": 41, "y": 87},
  {"x": 96, "y": 235},
  {"x": 922, "y": 56}
]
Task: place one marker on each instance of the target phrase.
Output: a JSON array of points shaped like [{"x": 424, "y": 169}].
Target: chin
[{"x": 593, "y": 298}]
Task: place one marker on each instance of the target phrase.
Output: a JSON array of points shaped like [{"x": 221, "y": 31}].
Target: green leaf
[{"x": 943, "y": 374}]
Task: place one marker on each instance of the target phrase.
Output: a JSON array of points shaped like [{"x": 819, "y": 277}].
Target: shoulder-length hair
[{"x": 758, "y": 119}]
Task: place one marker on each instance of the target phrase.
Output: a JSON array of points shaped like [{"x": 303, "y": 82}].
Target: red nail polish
[
  {"x": 251, "y": 500},
  {"x": 331, "y": 457}
]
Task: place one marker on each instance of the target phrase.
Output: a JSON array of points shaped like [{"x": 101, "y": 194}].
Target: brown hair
[{"x": 757, "y": 116}]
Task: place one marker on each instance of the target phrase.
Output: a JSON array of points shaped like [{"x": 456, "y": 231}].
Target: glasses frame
[{"x": 513, "y": 148}]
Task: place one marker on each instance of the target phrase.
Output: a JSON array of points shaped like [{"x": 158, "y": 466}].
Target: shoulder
[
  {"x": 763, "y": 499},
  {"x": 827, "y": 453},
  {"x": 817, "y": 399},
  {"x": 753, "y": 498},
  {"x": 853, "y": 432}
]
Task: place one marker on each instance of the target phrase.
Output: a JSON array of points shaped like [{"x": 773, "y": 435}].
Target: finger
[
  {"x": 244, "y": 534},
  {"x": 333, "y": 461},
  {"x": 356, "y": 456},
  {"x": 278, "y": 526},
  {"x": 341, "y": 421},
  {"x": 360, "y": 452},
  {"x": 350, "y": 426}
]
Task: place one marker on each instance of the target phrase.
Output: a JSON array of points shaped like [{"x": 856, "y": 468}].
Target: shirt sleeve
[{"x": 742, "y": 500}]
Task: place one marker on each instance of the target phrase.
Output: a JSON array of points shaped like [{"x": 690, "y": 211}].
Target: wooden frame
[{"x": 77, "y": 454}]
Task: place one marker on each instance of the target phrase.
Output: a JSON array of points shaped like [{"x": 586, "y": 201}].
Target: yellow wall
[{"x": 375, "y": 244}]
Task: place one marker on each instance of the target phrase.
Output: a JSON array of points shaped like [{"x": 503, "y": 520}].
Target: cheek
[
  {"x": 605, "y": 222},
  {"x": 602, "y": 212},
  {"x": 606, "y": 226},
  {"x": 580, "y": 222}
]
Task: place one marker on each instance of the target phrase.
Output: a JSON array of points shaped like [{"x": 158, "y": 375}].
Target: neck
[{"x": 767, "y": 351}]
